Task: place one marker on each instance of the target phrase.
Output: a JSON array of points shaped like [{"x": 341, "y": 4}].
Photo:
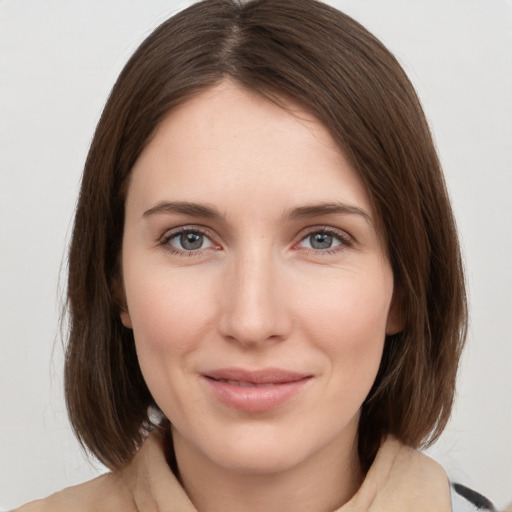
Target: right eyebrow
[{"x": 184, "y": 208}]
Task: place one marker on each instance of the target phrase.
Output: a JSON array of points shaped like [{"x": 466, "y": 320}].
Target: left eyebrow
[{"x": 318, "y": 210}]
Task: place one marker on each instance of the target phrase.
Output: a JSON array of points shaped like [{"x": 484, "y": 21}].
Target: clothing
[
  {"x": 467, "y": 500},
  {"x": 400, "y": 479}
]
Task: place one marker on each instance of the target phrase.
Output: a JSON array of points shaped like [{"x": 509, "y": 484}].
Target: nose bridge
[{"x": 254, "y": 305}]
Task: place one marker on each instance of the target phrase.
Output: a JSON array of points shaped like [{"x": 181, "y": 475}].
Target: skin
[{"x": 259, "y": 292}]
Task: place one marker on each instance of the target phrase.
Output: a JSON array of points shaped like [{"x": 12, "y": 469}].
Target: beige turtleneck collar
[{"x": 400, "y": 480}]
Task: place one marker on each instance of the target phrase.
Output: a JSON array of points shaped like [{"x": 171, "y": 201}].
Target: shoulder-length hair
[{"x": 329, "y": 64}]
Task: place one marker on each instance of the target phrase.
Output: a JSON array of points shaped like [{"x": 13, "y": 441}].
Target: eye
[
  {"x": 325, "y": 240},
  {"x": 187, "y": 240},
  {"x": 321, "y": 241}
]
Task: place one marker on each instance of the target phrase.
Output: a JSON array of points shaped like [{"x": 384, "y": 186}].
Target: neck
[{"x": 322, "y": 483}]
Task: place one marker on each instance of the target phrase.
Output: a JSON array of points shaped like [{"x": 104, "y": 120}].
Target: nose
[{"x": 254, "y": 302}]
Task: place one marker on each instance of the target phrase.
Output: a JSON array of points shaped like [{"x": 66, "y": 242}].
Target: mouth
[
  {"x": 255, "y": 391},
  {"x": 243, "y": 384}
]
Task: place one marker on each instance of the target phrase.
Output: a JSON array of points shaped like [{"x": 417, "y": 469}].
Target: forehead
[{"x": 228, "y": 142}]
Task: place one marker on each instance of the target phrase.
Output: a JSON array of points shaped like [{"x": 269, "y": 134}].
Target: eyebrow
[
  {"x": 318, "y": 210},
  {"x": 185, "y": 208},
  {"x": 301, "y": 212}
]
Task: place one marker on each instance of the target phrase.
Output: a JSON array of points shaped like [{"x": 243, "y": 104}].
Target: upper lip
[{"x": 263, "y": 376}]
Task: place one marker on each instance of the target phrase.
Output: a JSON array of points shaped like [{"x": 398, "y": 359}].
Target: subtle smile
[{"x": 254, "y": 391}]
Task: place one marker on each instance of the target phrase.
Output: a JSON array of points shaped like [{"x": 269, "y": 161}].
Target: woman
[{"x": 265, "y": 287}]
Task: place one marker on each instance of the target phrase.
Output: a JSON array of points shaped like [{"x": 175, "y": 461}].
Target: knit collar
[{"x": 401, "y": 479}]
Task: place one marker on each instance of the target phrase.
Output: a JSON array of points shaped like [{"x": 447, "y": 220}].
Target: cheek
[
  {"x": 347, "y": 320},
  {"x": 170, "y": 318},
  {"x": 171, "y": 312}
]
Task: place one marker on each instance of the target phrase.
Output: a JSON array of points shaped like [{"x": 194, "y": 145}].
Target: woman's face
[{"x": 256, "y": 285}]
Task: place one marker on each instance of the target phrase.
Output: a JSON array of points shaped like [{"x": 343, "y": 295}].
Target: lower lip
[{"x": 258, "y": 398}]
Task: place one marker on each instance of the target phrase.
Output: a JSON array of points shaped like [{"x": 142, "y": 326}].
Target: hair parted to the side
[{"x": 329, "y": 64}]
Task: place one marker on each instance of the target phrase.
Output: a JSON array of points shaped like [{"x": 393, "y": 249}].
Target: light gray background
[{"x": 58, "y": 61}]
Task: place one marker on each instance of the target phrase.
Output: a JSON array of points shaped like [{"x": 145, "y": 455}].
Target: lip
[{"x": 255, "y": 391}]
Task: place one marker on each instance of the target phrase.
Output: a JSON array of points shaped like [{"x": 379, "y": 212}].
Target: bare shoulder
[{"x": 106, "y": 493}]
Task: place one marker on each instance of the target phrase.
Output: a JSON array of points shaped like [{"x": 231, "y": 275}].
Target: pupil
[
  {"x": 321, "y": 241},
  {"x": 191, "y": 241}
]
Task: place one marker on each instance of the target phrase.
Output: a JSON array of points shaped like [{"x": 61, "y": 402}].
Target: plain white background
[{"x": 58, "y": 61}]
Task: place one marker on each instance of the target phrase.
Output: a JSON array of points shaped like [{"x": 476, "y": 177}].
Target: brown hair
[{"x": 338, "y": 71}]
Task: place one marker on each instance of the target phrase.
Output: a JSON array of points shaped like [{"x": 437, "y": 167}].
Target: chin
[
  {"x": 259, "y": 460},
  {"x": 264, "y": 448}
]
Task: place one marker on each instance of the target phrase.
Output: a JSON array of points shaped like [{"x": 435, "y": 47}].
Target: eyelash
[{"x": 343, "y": 237}]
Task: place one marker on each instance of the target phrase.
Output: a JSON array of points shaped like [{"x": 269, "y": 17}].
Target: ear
[
  {"x": 126, "y": 319},
  {"x": 119, "y": 296},
  {"x": 396, "y": 320}
]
